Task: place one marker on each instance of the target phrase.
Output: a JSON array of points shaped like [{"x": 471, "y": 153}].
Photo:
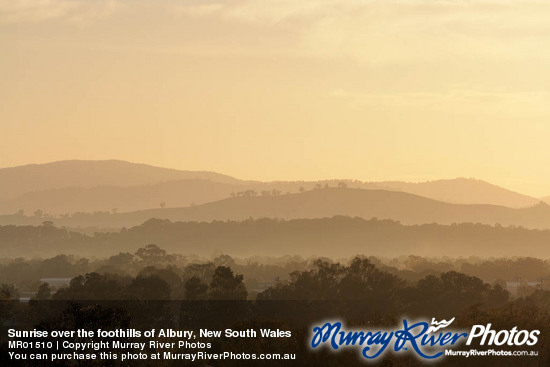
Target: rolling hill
[
  {"x": 462, "y": 191},
  {"x": 176, "y": 193},
  {"x": 16, "y": 181},
  {"x": 90, "y": 186},
  {"x": 407, "y": 208}
]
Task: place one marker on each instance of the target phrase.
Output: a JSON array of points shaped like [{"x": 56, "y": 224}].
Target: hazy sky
[{"x": 282, "y": 89}]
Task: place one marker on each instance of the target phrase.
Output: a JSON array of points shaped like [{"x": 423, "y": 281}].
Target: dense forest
[
  {"x": 216, "y": 294},
  {"x": 520, "y": 276}
]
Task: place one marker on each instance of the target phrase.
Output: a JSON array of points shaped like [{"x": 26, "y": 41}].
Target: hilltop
[
  {"x": 15, "y": 181},
  {"x": 89, "y": 186},
  {"x": 318, "y": 203}
]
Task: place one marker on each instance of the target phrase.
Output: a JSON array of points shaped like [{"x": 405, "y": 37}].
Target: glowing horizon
[{"x": 371, "y": 90}]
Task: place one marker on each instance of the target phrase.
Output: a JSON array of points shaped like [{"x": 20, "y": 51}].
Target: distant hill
[
  {"x": 176, "y": 193},
  {"x": 89, "y": 186},
  {"x": 15, "y": 181},
  {"x": 546, "y": 199},
  {"x": 462, "y": 191},
  {"x": 337, "y": 237},
  {"x": 404, "y": 207}
]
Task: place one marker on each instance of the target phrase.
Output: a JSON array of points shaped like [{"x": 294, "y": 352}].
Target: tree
[
  {"x": 151, "y": 254},
  {"x": 149, "y": 288},
  {"x": 92, "y": 286},
  {"x": 44, "y": 292},
  {"x": 8, "y": 292},
  {"x": 201, "y": 271},
  {"x": 227, "y": 286},
  {"x": 47, "y": 223},
  {"x": 168, "y": 275},
  {"x": 224, "y": 260},
  {"x": 195, "y": 289},
  {"x": 121, "y": 259}
]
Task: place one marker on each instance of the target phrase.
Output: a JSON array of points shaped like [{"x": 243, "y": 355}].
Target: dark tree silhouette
[
  {"x": 227, "y": 286},
  {"x": 195, "y": 289}
]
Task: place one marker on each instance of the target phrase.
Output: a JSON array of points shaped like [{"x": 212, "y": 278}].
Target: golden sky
[{"x": 282, "y": 89}]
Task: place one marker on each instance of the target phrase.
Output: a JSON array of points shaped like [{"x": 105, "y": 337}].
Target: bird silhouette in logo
[{"x": 439, "y": 325}]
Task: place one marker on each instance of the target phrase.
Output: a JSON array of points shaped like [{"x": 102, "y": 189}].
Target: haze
[{"x": 282, "y": 90}]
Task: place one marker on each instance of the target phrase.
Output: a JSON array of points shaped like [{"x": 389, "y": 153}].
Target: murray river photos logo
[{"x": 428, "y": 341}]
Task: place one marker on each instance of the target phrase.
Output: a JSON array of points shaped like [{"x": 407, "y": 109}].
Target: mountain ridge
[
  {"x": 88, "y": 186},
  {"x": 15, "y": 181},
  {"x": 406, "y": 208}
]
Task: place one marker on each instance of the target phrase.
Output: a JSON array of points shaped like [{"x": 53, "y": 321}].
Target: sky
[{"x": 282, "y": 89}]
